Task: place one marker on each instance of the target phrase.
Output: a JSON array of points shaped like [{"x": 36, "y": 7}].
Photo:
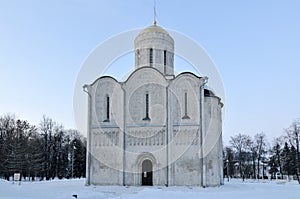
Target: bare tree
[
  {"x": 39, "y": 152},
  {"x": 252, "y": 147},
  {"x": 47, "y": 128},
  {"x": 261, "y": 145},
  {"x": 229, "y": 162},
  {"x": 239, "y": 143},
  {"x": 275, "y": 152},
  {"x": 7, "y": 126},
  {"x": 293, "y": 136}
]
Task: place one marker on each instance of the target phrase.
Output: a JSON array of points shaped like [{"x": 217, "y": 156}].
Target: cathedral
[{"x": 155, "y": 128}]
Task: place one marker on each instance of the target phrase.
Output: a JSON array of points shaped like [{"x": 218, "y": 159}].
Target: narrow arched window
[
  {"x": 138, "y": 56},
  {"x": 147, "y": 107},
  {"x": 165, "y": 61},
  {"x": 185, "y": 106},
  {"x": 151, "y": 56},
  {"x": 107, "y": 109}
]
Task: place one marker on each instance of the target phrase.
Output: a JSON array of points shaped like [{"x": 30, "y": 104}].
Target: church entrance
[{"x": 147, "y": 179}]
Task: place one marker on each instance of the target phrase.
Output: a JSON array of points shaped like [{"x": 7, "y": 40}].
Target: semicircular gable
[
  {"x": 188, "y": 73},
  {"x": 106, "y": 95},
  {"x": 186, "y": 78},
  {"x": 104, "y": 78},
  {"x": 145, "y": 92},
  {"x": 145, "y": 75},
  {"x": 184, "y": 93}
]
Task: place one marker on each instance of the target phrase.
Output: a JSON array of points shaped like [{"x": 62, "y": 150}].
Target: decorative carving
[
  {"x": 106, "y": 138},
  {"x": 145, "y": 138},
  {"x": 185, "y": 135}
]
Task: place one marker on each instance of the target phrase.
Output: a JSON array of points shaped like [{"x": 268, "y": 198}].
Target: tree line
[
  {"x": 40, "y": 152},
  {"x": 249, "y": 157}
]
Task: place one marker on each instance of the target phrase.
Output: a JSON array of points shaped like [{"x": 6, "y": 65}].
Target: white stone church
[{"x": 155, "y": 128}]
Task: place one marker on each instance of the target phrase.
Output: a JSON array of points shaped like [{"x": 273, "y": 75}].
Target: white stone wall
[
  {"x": 142, "y": 81},
  {"x": 213, "y": 142},
  {"x": 185, "y": 167},
  {"x": 103, "y": 87},
  {"x": 184, "y": 139},
  {"x": 106, "y": 136},
  {"x": 189, "y": 84},
  {"x": 172, "y": 144},
  {"x": 148, "y": 143},
  {"x": 145, "y": 136},
  {"x": 170, "y": 138}
]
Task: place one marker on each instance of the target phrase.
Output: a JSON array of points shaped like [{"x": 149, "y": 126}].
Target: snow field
[{"x": 64, "y": 189}]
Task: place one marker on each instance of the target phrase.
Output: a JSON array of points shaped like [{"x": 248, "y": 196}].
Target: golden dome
[{"x": 154, "y": 28}]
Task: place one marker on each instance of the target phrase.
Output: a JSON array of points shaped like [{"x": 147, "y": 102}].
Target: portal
[{"x": 147, "y": 179}]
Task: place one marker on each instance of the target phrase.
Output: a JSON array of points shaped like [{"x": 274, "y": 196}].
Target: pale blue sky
[{"x": 255, "y": 45}]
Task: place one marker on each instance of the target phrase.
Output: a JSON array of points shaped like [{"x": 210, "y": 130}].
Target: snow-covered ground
[{"x": 64, "y": 189}]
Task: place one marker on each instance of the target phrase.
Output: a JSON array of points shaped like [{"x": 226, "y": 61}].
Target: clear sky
[{"x": 255, "y": 45}]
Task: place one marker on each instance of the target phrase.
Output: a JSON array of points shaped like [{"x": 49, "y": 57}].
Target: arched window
[
  {"x": 107, "y": 109},
  {"x": 147, "y": 107},
  {"x": 165, "y": 61},
  {"x": 185, "y": 106},
  {"x": 138, "y": 56},
  {"x": 151, "y": 56}
]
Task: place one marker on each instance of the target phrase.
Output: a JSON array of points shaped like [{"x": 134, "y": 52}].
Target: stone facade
[{"x": 154, "y": 128}]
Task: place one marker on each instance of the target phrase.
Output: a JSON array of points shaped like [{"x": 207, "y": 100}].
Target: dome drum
[{"x": 155, "y": 47}]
